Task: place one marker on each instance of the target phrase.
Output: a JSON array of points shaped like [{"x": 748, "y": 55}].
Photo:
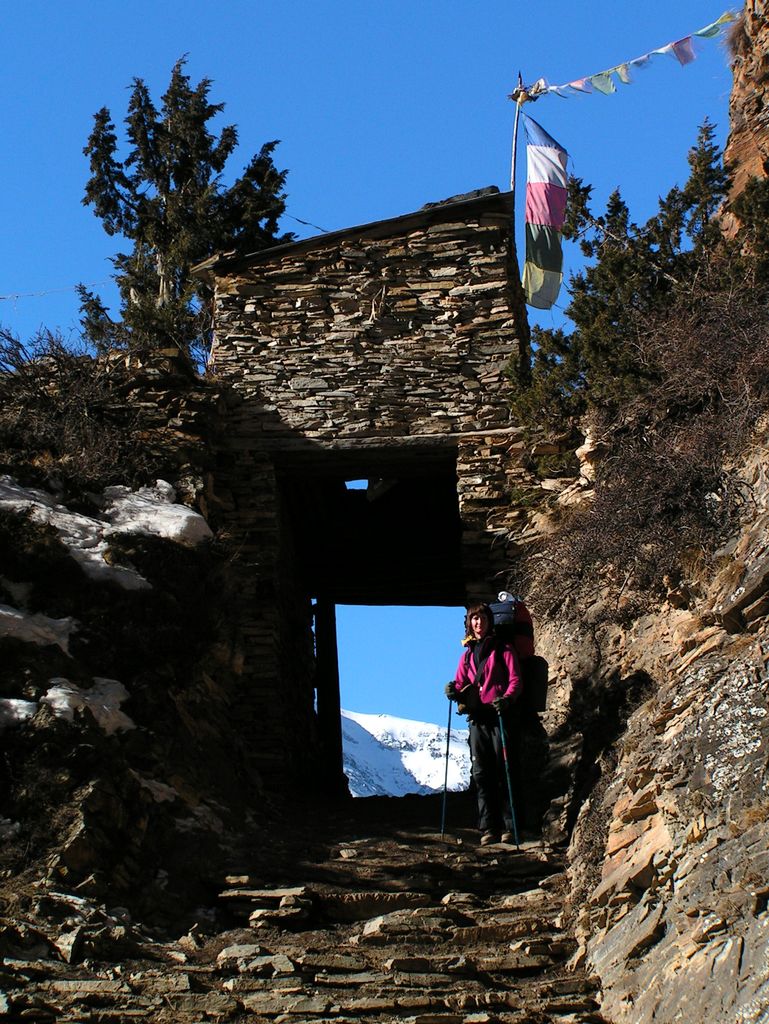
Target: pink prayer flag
[
  {"x": 545, "y": 204},
  {"x": 684, "y": 51},
  {"x": 581, "y": 85}
]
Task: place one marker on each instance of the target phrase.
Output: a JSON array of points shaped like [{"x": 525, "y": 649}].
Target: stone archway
[{"x": 383, "y": 352}]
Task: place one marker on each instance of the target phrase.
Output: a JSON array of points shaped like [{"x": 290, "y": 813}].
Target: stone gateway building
[{"x": 381, "y": 353}]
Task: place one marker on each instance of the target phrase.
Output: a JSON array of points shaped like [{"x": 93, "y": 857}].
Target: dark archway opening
[{"x": 394, "y": 541}]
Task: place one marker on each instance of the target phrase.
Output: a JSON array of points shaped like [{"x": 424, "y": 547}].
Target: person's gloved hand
[
  {"x": 451, "y": 692},
  {"x": 502, "y": 704}
]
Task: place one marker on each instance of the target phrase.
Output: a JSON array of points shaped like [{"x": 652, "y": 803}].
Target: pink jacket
[{"x": 500, "y": 675}]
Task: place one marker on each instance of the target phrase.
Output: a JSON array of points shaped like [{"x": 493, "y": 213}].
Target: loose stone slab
[
  {"x": 416, "y": 964},
  {"x": 268, "y": 1004},
  {"x": 268, "y": 895},
  {"x": 242, "y": 951},
  {"x": 332, "y": 962},
  {"x": 356, "y": 979},
  {"x": 78, "y": 987},
  {"x": 278, "y": 916},
  {"x": 270, "y": 965}
]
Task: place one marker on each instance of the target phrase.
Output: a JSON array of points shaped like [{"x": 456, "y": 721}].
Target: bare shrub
[
  {"x": 736, "y": 37},
  {"x": 62, "y": 418},
  {"x": 667, "y": 494}
]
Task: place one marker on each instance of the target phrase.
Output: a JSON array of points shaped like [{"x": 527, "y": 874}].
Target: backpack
[{"x": 512, "y": 623}]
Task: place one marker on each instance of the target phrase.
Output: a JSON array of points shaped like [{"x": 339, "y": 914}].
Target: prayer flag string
[{"x": 605, "y": 81}]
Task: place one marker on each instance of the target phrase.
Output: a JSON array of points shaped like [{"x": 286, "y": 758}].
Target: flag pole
[{"x": 519, "y": 95}]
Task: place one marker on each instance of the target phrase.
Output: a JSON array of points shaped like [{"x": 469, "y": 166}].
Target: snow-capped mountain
[{"x": 387, "y": 756}]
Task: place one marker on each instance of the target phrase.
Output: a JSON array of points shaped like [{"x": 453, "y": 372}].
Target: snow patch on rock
[
  {"x": 36, "y": 629},
  {"x": 153, "y": 511},
  {"x": 14, "y": 711},
  {"x": 103, "y": 699},
  {"x": 150, "y": 511}
]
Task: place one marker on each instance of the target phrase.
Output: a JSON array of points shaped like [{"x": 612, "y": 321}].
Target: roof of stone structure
[{"x": 485, "y": 200}]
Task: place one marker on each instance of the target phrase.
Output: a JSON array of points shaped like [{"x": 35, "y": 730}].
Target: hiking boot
[
  {"x": 488, "y": 838},
  {"x": 507, "y": 837}
]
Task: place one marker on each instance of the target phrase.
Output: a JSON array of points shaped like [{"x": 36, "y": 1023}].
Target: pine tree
[
  {"x": 668, "y": 364},
  {"x": 706, "y": 188},
  {"x": 166, "y": 196}
]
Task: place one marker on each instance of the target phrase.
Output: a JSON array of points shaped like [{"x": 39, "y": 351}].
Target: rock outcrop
[
  {"x": 748, "y": 146},
  {"x": 113, "y": 637},
  {"x": 662, "y": 731}
]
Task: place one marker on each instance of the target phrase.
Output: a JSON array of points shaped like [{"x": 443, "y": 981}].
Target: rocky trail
[{"x": 361, "y": 913}]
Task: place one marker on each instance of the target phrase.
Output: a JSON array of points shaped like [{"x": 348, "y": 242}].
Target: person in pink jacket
[{"x": 488, "y": 683}]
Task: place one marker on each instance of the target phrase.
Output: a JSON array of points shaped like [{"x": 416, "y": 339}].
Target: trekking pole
[
  {"x": 507, "y": 776},
  {"x": 446, "y": 774}
]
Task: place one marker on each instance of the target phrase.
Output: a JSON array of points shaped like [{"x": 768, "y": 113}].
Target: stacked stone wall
[{"x": 375, "y": 337}]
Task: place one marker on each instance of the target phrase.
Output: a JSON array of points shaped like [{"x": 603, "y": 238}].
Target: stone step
[
  {"x": 403, "y": 927},
  {"x": 428, "y": 999},
  {"x": 283, "y": 907},
  {"x": 407, "y": 1004}
]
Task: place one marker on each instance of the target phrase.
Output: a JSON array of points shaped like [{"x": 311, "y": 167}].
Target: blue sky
[{"x": 379, "y": 109}]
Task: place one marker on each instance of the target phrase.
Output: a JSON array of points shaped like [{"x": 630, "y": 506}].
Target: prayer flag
[
  {"x": 684, "y": 51},
  {"x": 604, "y": 83},
  {"x": 712, "y": 30},
  {"x": 546, "y": 182}
]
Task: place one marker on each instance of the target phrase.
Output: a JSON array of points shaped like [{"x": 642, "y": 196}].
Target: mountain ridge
[{"x": 385, "y": 755}]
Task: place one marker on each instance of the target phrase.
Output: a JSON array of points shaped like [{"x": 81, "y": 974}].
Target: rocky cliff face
[
  {"x": 662, "y": 730},
  {"x": 748, "y": 146}
]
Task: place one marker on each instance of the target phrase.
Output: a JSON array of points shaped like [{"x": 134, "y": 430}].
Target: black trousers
[{"x": 488, "y": 772}]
